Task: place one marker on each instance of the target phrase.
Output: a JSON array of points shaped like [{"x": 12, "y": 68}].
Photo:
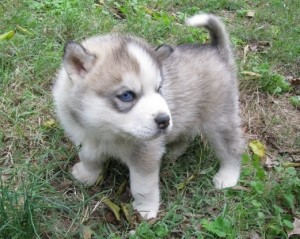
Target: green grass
[{"x": 38, "y": 196}]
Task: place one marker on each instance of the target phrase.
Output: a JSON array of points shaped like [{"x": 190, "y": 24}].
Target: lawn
[{"x": 40, "y": 199}]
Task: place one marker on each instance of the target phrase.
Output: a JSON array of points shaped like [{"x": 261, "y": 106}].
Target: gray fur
[
  {"x": 201, "y": 90},
  {"x": 193, "y": 86}
]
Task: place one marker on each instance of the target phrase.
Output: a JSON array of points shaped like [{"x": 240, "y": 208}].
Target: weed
[
  {"x": 146, "y": 231},
  {"x": 295, "y": 101},
  {"x": 271, "y": 82},
  {"x": 39, "y": 198}
]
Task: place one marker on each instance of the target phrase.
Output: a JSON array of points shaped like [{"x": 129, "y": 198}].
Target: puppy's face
[{"x": 115, "y": 86}]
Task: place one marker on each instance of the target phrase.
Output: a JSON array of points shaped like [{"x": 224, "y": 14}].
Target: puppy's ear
[
  {"x": 77, "y": 60},
  {"x": 163, "y": 52}
]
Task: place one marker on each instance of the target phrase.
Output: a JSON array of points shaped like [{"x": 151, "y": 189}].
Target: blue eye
[{"x": 127, "y": 96}]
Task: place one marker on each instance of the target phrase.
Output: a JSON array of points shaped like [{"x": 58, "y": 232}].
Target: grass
[{"x": 38, "y": 196}]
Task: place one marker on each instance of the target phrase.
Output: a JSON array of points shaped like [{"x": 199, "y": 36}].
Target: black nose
[{"x": 162, "y": 120}]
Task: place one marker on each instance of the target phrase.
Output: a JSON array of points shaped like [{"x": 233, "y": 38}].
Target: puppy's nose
[{"x": 162, "y": 120}]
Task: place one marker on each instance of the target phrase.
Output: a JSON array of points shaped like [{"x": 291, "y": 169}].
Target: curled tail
[{"x": 218, "y": 34}]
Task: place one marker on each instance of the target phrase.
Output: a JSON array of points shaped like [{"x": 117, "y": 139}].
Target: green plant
[
  {"x": 220, "y": 227},
  {"x": 271, "y": 82},
  {"x": 38, "y": 196},
  {"x": 295, "y": 101},
  {"x": 147, "y": 231}
]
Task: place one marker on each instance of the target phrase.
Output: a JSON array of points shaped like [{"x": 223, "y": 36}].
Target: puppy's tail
[{"x": 218, "y": 34}]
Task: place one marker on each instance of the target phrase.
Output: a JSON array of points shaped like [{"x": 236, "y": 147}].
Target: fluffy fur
[
  {"x": 116, "y": 96},
  {"x": 201, "y": 90}
]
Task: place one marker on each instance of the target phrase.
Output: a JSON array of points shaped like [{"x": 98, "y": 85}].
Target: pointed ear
[
  {"x": 163, "y": 52},
  {"x": 77, "y": 61}
]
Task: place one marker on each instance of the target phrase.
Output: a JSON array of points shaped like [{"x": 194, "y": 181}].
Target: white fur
[
  {"x": 198, "y": 20},
  {"x": 149, "y": 74},
  {"x": 89, "y": 108},
  {"x": 145, "y": 190},
  {"x": 140, "y": 122},
  {"x": 86, "y": 175},
  {"x": 102, "y": 131}
]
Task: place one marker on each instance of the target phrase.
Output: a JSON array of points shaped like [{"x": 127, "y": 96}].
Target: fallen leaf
[
  {"x": 290, "y": 164},
  {"x": 110, "y": 218},
  {"x": 296, "y": 229},
  {"x": 295, "y": 82},
  {"x": 183, "y": 184},
  {"x": 271, "y": 162},
  {"x": 102, "y": 176},
  {"x": 86, "y": 232},
  {"x": 251, "y": 73},
  {"x": 49, "y": 124},
  {"x": 7, "y": 35},
  {"x": 113, "y": 207},
  {"x": 22, "y": 29},
  {"x": 4, "y": 177},
  {"x": 258, "y": 148},
  {"x": 250, "y": 14},
  {"x": 148, "y": 10},
  {"x": 254, "y": 235},
  {"x": 125, "y": 210},
  {"x": 246, "y": 50},
  {"x": 260, "y": 46},
  {"x": 121, "y": 188},
  {"x": 240, "y": 188},
  {"x": 289, "y": 151}
]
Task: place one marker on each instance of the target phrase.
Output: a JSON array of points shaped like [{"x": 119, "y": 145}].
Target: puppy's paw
[
  {"x": 84, "y": 175},
  {"x": 226, "y": 178},
  {"x": 147, "y": 210}
]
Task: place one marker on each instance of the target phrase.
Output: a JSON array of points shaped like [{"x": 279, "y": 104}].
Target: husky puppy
[{"x": 117, "y": 96}]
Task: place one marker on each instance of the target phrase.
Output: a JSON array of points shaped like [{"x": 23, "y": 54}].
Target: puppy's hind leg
[
  {"x": 228, "y": 144},
  {"x": 90, "y": 166}
]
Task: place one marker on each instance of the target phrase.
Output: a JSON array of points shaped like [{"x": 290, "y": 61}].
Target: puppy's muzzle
[{"x": 162, "y": 121}]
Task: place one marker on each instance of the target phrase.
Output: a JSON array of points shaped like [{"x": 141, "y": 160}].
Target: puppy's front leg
[
  {"x": 89, "y": 168},
  {"x": 144, "y": 165},
  {"x": 144, "y": 184}
]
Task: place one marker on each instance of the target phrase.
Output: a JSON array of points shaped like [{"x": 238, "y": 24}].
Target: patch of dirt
[{"x": 272, "y": 120}]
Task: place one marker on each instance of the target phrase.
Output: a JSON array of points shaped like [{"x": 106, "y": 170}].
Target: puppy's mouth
[
  {"x": 146, "y": 135},
  {"x": 159, "y": 133}
]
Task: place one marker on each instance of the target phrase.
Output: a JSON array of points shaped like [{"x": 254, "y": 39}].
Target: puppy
[{"x": 117, "y": 96}]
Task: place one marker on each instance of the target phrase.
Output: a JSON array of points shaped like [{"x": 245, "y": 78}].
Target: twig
[{"x": 289, "y": 151}]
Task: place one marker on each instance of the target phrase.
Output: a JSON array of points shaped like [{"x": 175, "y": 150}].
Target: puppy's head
[{"x": 115, "y": 87}]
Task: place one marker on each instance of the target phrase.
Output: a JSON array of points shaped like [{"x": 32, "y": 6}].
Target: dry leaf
[
  {"x": 125, "y": 210},
  {"x": 121, "y": 188},
  {"x": 240, "y": 188},
  {"x": 183, "y": 184},
  {"x": 113, "y": 207},
  {"x": 22, "y": 29},
  {"x": 260, "y": 46},
  {"x": 254, "y": 235},
  {"x": 148, "y": 10},
  {"x": 250, "y": 14},
  {"x": 290, "y": 164},
  {"x": 258, "y": 148},
  {"x": 296, "y": 229},
  {"x": 251, "y": 73},
  {"x": 295, "y": 83},
  {"x": 86, "y": 232},
  {"x": 246, "y": 50},
  {"x": 103, "y": 174},
  {"x": 49, "y": 124},
  {"x": 270, "y": 162},
  {"x": 7, "y": 35}
]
